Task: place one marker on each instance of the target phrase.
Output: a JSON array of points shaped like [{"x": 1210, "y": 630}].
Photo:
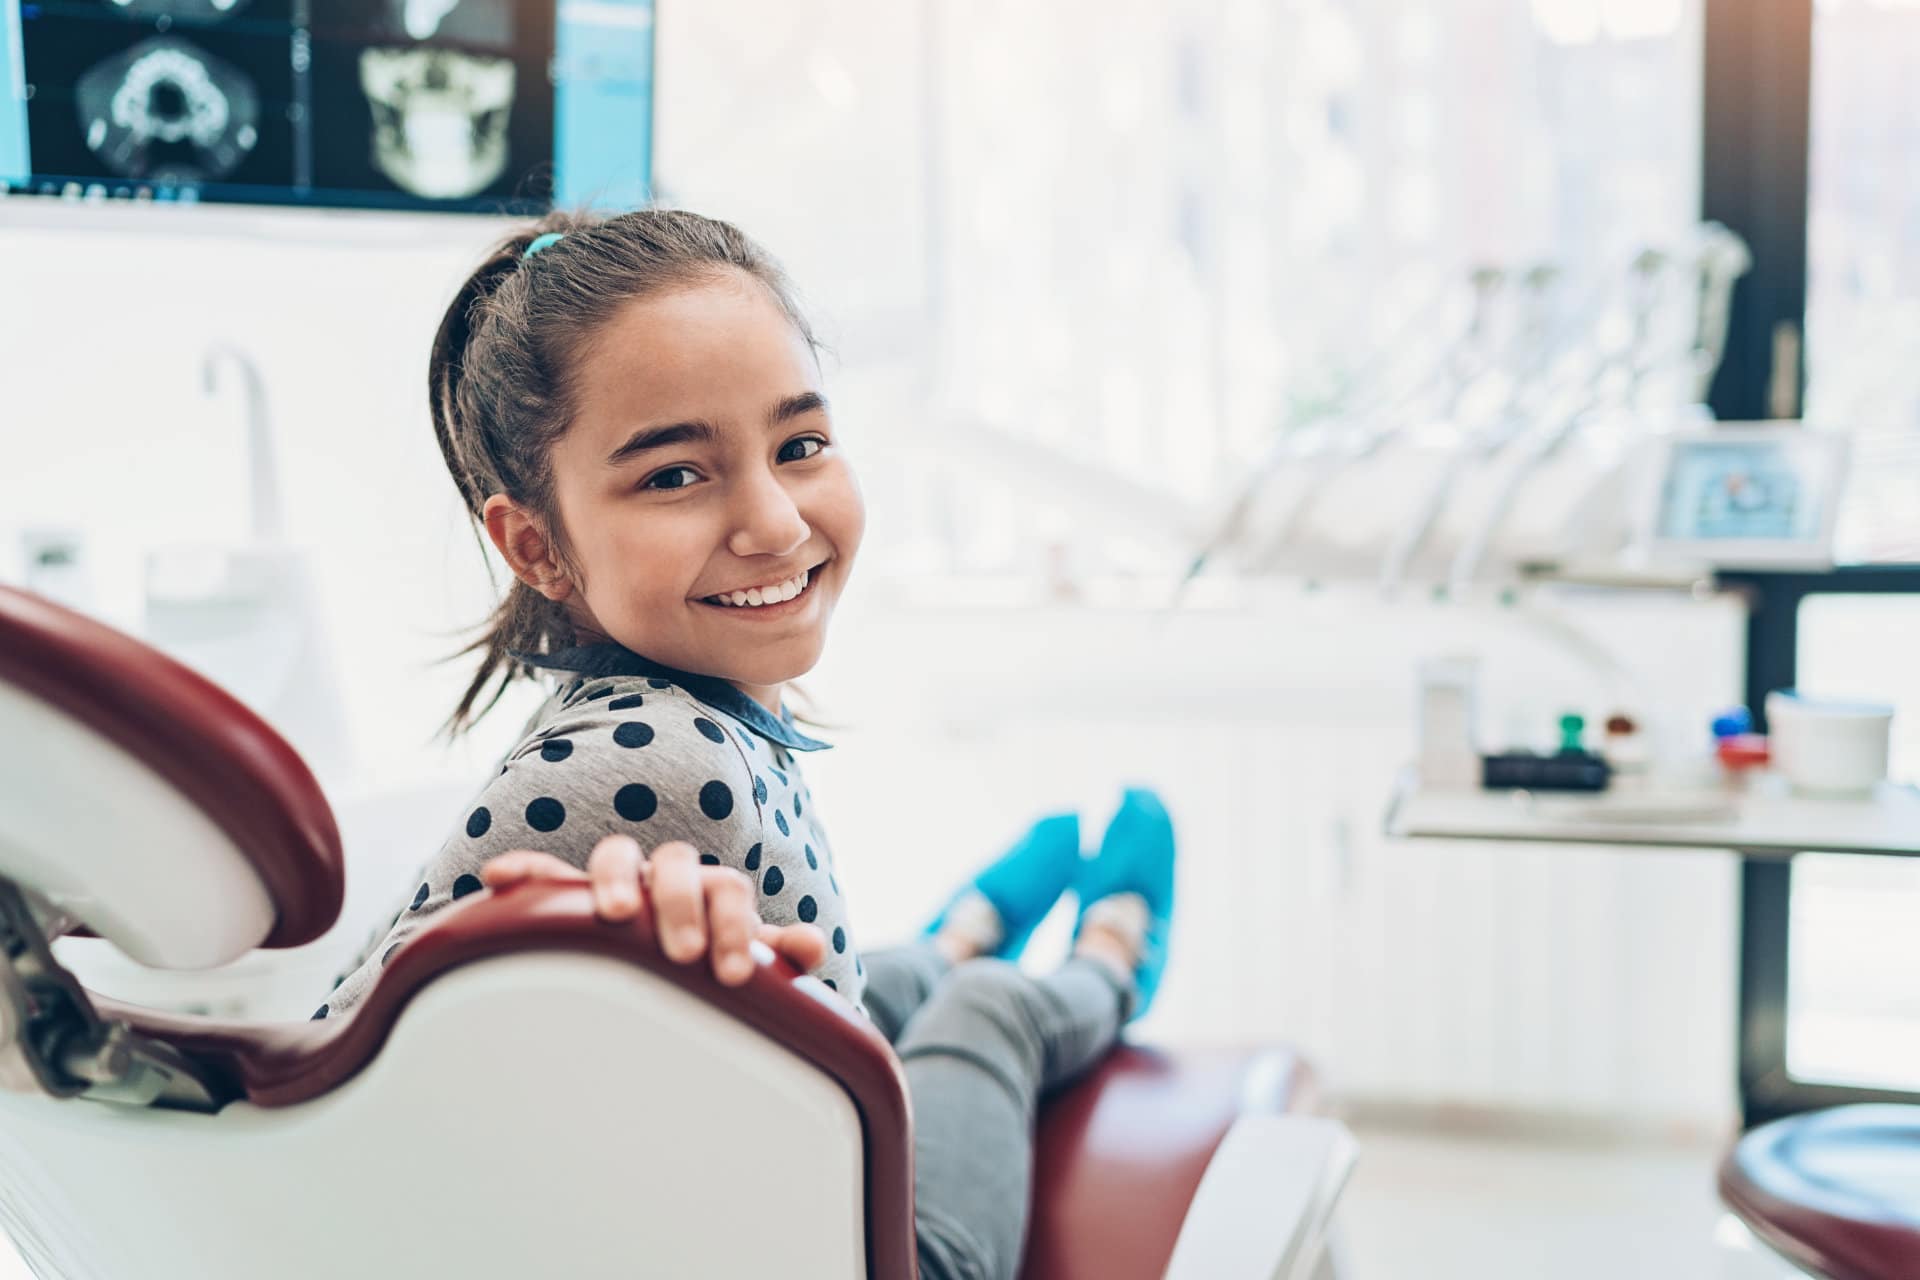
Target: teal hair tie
[{"x": 541, "y": 242}]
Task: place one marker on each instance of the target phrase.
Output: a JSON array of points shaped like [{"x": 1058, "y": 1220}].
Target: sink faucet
[{"x": 263, "y": 474}]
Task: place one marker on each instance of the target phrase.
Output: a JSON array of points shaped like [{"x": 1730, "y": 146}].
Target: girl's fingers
[
  {"x": 803, "y": 944},
  {"x": 524, "y": 864},
  {"x": 731, "y": 920},
  {"x": 679, "y": 905},
  {"x": 614, "y": 866}
]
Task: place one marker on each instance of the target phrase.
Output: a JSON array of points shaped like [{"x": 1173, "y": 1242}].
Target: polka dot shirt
[{"x": 659, "y": 757}]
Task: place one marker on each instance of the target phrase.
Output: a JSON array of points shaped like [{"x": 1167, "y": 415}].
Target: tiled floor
[{"x": 1426, "y": 1206}]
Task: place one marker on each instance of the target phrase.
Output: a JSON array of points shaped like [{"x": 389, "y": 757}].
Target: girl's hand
[{"x": 697, "y": 910}]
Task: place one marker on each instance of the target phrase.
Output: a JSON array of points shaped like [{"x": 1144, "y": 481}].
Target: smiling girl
[{"x": 633, "y": 410}]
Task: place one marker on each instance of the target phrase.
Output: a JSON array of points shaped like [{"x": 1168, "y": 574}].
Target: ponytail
[{"x": 524, "y": 620}]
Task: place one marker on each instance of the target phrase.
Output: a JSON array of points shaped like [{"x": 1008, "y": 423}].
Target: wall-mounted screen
[
  {"x": 492, "y": 106},
  {"x": 1743, "y": 495}
]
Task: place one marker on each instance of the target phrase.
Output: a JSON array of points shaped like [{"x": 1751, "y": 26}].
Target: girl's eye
[
  {"x": 809, "y": 446},
  {"x": 665, "y": 480}
]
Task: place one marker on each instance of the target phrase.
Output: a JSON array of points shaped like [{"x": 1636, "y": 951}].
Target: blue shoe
[
  {"x": 1136, "y": 856},
  {"x": 1024, "y": 882}
]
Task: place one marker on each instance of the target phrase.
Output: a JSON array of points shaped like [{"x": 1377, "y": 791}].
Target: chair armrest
[{"x": 1264, "y": 1206}]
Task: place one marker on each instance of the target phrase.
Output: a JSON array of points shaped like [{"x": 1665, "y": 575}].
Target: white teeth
[{"x": 780, "y": 593}]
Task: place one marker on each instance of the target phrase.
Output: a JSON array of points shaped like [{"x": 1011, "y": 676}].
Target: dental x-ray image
[
  {"x": 484, "y": 22},
  {"x": 390, "y": 104},
  {"x": 464, "y": 112},
  {"x": 185, "y": 10},
  {"x": 439, "y": 119},
  {"x": 158, "y": 101},
  {"x": 167, "y": 111}
]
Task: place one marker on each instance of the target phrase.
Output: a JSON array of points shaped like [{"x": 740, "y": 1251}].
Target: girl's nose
[{"x": 766, "y": 520}]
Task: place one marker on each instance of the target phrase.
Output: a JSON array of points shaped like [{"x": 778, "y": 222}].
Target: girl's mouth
[{"x": 776, "y": 600}]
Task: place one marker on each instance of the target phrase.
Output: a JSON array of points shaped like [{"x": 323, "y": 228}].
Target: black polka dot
[
  {"x": 813, "y": 863},
  {"x": 573, "y": 688},
  {"x": 419, "y": 899},
  {"x": 839, "y": 939},
  {"x": 600, "y": 693},
  {"x": 635, "y": 802},
  {"x": 781, "y": 776},
  {"x": 634, "y": 733},
  {"x": 745, "y": 740},
  {"x": 773, "y": 882},
  {"x": 831, "y": 983},
  {"x": 390, "y": 950},
  {"x": 554, "y": 750},
  {"x": 716, "y": 800},
  {"x": 708, "y": 860},
  {"x": 835, "y": 884},
  {"x": 659, "y": 684},
  {"x": 627, "y": 703},
  {"x": 465, "y": 885},
  {"x": 708, "y": 729},
  {"x": 796, "y": 804},
  {"x": 808, "y": 909},
  {"x": 759, "y": 788},
  {"x": 546, "y": 814},
  {"x": 753, "y": 858},
  {"x": 780, "y": 821},
  {"x": 479, "y": 820},
  {"x": 859, "y": 966},
  {"x": 319, "y": 1013}
]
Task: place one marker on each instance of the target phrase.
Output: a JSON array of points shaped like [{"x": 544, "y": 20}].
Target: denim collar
[{"x": 612, "y": 659}]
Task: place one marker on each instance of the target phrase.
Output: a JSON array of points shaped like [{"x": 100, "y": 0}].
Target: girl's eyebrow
[
  {"x": 793, "y": 406},
  {"x": 697, "y": 431},
  {"x": 649, "y": 438}
]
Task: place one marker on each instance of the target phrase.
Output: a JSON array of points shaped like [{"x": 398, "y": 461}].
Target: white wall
[{"x": 106, "y": 427}]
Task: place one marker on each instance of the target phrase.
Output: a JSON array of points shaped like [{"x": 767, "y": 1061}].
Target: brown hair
[{"x": 500, "y": 382}]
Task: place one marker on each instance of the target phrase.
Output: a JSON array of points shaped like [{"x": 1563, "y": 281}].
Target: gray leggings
[{"x": 980, "y": 1043}]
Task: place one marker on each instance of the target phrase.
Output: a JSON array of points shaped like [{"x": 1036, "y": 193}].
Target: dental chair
[
  {"x": 1835, "y": 1192},
  {"x": 527, "y": 1091}
]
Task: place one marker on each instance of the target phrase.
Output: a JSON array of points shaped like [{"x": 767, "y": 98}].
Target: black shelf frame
[
  {"x": 1756, "y": 116},
  {"x": 1768, "y": 1090}
]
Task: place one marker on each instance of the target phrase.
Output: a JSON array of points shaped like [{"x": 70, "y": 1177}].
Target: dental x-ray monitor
[{"x": 490, "y": 106}]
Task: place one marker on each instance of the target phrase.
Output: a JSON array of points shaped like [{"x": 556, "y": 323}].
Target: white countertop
[{"x": 1765, "y": 818}]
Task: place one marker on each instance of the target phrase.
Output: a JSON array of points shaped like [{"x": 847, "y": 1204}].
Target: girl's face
[{"x": 701, "y": 464}]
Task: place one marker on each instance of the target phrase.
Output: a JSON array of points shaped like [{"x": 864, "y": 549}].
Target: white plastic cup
[
  {"x": 1446, "y": 713},
  {"x": 1828, "y": 746}
]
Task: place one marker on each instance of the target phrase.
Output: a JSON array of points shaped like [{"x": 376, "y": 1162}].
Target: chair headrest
[{"x": 150, "y": 803}]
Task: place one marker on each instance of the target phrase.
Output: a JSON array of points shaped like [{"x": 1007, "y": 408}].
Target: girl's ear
[{"x": 525, "y": 546}]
